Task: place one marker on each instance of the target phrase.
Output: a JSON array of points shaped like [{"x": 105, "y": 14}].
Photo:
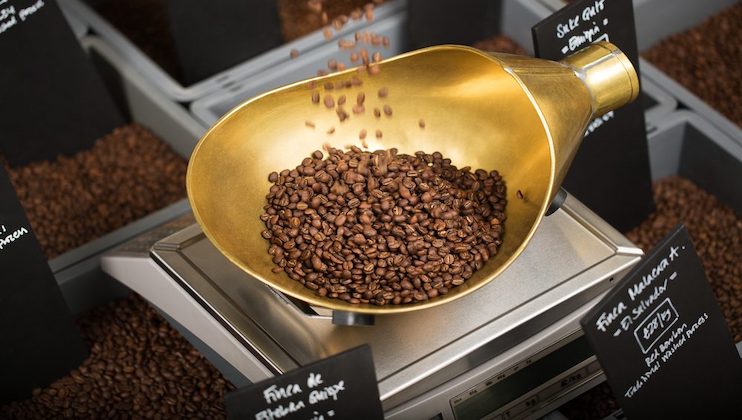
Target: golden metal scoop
[{"x": 523, "y": 116}]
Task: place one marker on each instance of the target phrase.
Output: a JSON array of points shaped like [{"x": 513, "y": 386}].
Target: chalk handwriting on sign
[
  {"x": 342, "y": 386},
  {"x": 42, "y": 58},
  {"x": 294, "y": 396},
  {"x": 9, "y": 17},
  {"x": 636, "y": 298},
  {"x": 8, "y": 237},
  {"x": 662, "y": 340},
  {"x": 577, "y": 38}
]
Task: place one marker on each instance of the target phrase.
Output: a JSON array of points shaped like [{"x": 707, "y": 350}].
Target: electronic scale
[{"x": 513, "y": 349}]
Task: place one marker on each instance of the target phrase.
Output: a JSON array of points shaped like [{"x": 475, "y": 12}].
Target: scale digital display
[{"x": 496, "y": 392}]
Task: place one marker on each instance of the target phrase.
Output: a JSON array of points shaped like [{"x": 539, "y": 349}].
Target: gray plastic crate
[
  {"x": 689, "y": 100},
  {"x": 657, "y": 102},
  {"x": 517, "y": 18},
  {"x": 174, "y": 89},
  {"x": 78, "y": 271},
  {"x": 687, "y": 145}
]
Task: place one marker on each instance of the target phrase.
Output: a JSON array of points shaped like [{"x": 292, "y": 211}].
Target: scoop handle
[{"x": 608, "y": 74}]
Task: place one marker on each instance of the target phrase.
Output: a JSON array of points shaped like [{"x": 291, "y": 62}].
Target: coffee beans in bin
[
  {"x": 382, "y": 227},
  {"x": 75, "y": 199},
  {"x": 706, "y": 59}
]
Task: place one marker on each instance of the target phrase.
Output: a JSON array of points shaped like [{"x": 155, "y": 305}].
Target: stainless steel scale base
[{"x": 428, "y": 363}]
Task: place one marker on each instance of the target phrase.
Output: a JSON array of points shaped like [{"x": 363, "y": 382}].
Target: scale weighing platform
[{"x": 513, "y": 349}]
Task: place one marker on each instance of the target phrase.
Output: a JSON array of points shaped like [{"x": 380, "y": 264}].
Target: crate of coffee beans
[
  {"x": 697, "y": 170},
  {"x": 700, "y": 66},
  {"x": 129, "y": 181},
  {"x": 142, "y": 31}
]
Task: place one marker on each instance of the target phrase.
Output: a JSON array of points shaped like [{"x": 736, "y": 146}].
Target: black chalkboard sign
[
  {"x": 340, "y": 387},
  {"x": 610, "y": 172},
  {"x": 40, "y": 341},
  {"x": 662, "y": 340},
  {"x": 434, "y": 22},
  {"x": 212, "y": 36},
  {"x": 53, "y": 101}
]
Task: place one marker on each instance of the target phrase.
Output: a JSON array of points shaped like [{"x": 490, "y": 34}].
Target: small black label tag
[
  {"x": 339, "y": 387},
  {"x": 53, "y": 101},
  {"x": 40, "y": 341}
]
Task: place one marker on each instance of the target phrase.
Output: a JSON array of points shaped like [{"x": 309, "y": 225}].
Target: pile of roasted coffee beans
[
  {"x": 383, "y": 228},
  {"x": 139, "y": 367},
  {"x": 75, "y": 199},
  {"x": 500, "y": 43},
  {"x": 717, "y": 235},
  {"x": 707, "y": 60}
]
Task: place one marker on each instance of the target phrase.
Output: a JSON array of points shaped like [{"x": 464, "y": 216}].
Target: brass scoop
[{"x": 523, "y": 116}]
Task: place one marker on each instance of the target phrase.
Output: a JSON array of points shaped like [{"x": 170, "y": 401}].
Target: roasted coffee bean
[
  {"x": 383, "y": 222},
  {"x": 329, "y": 101},
  {"x": 124, "y": 176}
]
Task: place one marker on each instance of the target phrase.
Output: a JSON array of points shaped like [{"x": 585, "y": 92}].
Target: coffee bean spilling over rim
[
  {"x": 75, "y": 199},
  {"x": 139, "y": 367},
  {"x": 500, "y": 43},
  {"x": 717, "y": 235},
  {"x": 706, "y": 60},
  {"x": 383, "y": 228}
]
